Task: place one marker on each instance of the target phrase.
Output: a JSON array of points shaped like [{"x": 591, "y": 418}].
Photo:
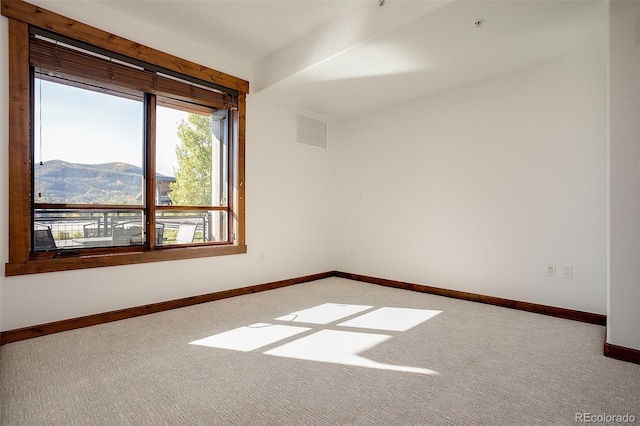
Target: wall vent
[{"x": 310, "y": 131}]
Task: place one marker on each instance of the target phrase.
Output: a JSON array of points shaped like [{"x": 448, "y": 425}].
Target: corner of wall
[{"x": 623, "y": 283}]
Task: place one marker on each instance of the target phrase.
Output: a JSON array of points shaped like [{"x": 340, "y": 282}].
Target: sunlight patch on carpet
[
  {"x": 250, "y": 338},
  {"x": 392, "y": 319},
  {"x": 325, "y": 313},
  {"x": 340, "y": 347},
  {"x": 327, "y": 345}
]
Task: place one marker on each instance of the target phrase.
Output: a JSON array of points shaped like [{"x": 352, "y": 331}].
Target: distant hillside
[{"x": 109, "y": 183}]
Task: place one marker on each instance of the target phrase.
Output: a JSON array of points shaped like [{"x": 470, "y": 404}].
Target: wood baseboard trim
[
  {"x": 613, "y": 351},
  {"x": 16, "y": 335},
  {"x": 553, "y": 311},
  {"x": 621, "y": 353}
]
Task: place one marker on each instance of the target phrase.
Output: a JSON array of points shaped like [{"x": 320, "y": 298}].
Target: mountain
[{"x": 58, "y": 181}]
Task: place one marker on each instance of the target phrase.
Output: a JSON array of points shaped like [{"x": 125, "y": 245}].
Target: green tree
[{"x": 193, "y": 175}]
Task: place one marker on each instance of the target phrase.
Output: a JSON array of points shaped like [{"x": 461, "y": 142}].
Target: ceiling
[{"x": 334, "y": 59}]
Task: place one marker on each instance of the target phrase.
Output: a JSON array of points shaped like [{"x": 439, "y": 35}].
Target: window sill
[{"x": 114, "y": 259}]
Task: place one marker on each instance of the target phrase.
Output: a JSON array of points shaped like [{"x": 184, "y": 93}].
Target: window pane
[
  {"x": 88, "y": 146},
  {"x": 80, "y": 229},
  {"x": 191, "y": 155},
  {"x": 179, "y": 227}
]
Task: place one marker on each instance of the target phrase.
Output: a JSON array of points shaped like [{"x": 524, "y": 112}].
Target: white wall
[
  {"x": 479, "y": 188},
  {"x": 623, "y": 321},
  {"x": 286, "y": 189}
]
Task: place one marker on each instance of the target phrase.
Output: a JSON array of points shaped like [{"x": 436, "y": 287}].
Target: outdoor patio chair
[
  {"x": 127, "y": 236},
  {"x": 43, "y": 239},
  {"x": 186, "y": 232}
]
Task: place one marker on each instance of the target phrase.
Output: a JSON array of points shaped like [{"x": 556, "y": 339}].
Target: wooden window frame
[{"x": 21, "y": 260}]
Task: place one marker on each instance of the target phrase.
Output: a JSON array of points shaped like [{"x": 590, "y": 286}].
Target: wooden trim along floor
[
  {"x": 587, "y": 317},
  {"x": 610, "y": 350},
  {"x": 620, "y": 352},
  {"x": 89, "y": 320}
]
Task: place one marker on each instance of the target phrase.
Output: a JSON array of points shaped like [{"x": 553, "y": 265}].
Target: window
[{"x": 117, "y": 155}]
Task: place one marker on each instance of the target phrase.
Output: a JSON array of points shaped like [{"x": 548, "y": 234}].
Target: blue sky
[{"x": 83, "y": 126}]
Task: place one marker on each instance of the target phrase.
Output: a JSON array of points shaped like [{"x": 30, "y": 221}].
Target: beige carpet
[{"x": 330, "y": 352}]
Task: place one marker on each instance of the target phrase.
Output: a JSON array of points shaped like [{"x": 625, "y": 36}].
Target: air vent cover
[{"x": 310, "y": 131}]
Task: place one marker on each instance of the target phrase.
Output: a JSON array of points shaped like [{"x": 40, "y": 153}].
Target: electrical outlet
[
  {"x": 567, "y": 271},
  {"x": 551, "y": 270}
]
